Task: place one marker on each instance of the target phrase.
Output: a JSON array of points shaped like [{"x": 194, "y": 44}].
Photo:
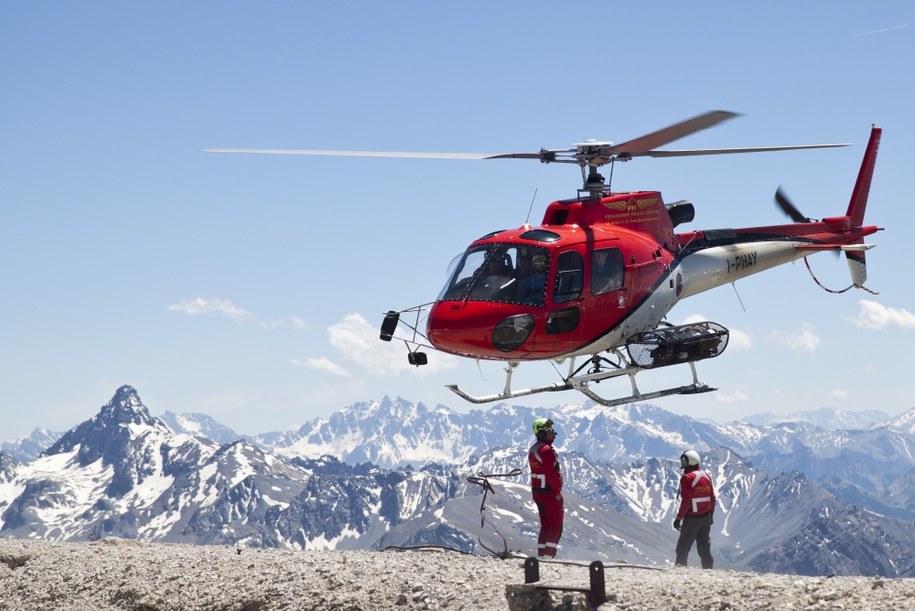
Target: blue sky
[{"x": 252, "y": 287}]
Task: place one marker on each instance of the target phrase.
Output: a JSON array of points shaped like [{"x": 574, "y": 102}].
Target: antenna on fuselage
[
  {"x": 531, "y": 208},
  {"x": 736, "y": 292}
]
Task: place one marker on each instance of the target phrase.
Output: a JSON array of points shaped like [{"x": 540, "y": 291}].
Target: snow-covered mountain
[
  {"x": 903, "y": 423},
  {"x": 200, "y": 425},
  {"x": 26, "y": 448},
  {"x": 828, "y": 418},
  {"x": 874, "y": 468},
  {"x": 395, "y": 432},
  {"x": 624, "y": 512},
  {"x": 126, "y": 473}
]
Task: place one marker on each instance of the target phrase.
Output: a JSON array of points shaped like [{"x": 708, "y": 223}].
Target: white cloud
[
  {"x": 359, "y": 344},
  {"x": 737, "y": 339},
  {"x": 840, "y": 394},
  {"x": 805, "y": 341},
  {"x": 353, "y": 336},
  {"x": 213, "y": 307},
  {"x": 693, "y": 318},
  {"x": 202, "y": 306},
  {"x": 323, "y": 364},
  {"x": 734, "y": 397},
  {"x": 873, "y": 315}
]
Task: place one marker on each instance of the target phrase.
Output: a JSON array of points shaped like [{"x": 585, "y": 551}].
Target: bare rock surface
[{"x": 128, "y": 575}]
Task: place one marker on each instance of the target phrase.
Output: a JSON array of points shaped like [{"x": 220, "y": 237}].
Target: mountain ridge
[{"x": 126, "y": 473}]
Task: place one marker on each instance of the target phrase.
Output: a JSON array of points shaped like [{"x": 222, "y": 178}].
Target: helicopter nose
[{"x": 478, "y": 330}]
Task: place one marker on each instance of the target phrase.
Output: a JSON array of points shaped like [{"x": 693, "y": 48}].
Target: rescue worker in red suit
[
  {"x": 546, "y": 487},
  {"x": 697, "y": 508}
]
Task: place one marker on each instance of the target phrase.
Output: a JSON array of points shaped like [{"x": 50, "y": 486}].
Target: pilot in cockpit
[
  {"x": 533, "y": 285},
  {"x": 496, "y": 279}
]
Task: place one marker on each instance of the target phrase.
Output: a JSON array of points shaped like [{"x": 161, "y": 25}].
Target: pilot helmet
[{"x": 690, "y": 458}]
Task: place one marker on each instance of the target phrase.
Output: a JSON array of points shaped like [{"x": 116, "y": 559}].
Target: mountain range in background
[
  {"x": 794, "y": 497},
  {"x": 830, "y": 419}
]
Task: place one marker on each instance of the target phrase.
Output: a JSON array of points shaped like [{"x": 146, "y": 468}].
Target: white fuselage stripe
[{"x": 700, "y": 271}]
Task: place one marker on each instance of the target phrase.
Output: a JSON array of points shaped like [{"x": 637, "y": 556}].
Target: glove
[{"x": 677, "y": 523}]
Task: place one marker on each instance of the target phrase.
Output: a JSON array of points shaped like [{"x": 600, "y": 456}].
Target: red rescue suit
[
  {"x": 697, "y": 494},
  {"x": 546, "y": 487},
  {"x": 697, "y": 508}
]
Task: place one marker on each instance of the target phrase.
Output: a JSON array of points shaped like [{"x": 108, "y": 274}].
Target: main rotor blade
[
  {"x": 752, "y": 149},
  {"x": 551, "y": 154},
  {"x": 603, "y": 153},
  {"x": 392, "y": 154},
  {"x": 644, "y": 144}
]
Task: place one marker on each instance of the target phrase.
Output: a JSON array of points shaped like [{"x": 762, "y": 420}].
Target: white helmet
[{"x": 690, "y": 458}]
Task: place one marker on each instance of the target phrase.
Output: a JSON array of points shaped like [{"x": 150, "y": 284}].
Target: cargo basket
[{"x": 675, "y": 345}]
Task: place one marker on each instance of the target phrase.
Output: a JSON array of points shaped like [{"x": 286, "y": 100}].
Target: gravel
[{"x": 129, "y": 575}]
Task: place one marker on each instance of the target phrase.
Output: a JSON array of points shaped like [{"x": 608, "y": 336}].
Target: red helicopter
[{"x": 592, "y": 284}]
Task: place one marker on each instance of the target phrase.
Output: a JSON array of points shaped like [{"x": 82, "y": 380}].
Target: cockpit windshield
[{"x": 504, "y": 273}]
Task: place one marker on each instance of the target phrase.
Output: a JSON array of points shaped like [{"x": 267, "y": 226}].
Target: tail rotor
[{"x": 789, "y": 208}]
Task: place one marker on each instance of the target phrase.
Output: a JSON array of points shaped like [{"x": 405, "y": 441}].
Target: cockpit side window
[
  {"x": 607, "y": 269},
  {"x": 460, "y": 279},
  {"x": 570, "y": 277}
]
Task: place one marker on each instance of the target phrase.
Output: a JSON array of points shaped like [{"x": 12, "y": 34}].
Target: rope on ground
[
  {"x": 426, "y": 548},
  {"x": 482, "y": 479}
]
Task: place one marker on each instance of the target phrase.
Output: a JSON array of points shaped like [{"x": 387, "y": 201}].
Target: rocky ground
[{"x": 127, "y": 575}]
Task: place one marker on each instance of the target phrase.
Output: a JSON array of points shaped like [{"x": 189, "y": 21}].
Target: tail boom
[{"x": 711, "y": 258}]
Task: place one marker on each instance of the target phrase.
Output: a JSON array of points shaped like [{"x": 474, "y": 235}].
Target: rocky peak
[
  {"x": 125, "y": 408},
  {"x": 107, "y": 433}
]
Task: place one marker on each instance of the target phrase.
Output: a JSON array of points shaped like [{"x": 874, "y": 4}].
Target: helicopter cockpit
[{"x": 502, "y": 273}]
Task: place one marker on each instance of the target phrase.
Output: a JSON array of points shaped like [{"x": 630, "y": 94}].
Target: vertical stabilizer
[
  {"x": 857, "y": 264},
  {"x": 863, "y": 185}
]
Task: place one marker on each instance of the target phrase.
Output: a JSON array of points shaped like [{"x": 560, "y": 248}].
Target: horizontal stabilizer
[{"x": 837, "y": 247}]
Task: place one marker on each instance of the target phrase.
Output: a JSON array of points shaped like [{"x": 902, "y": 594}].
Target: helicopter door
[
  {"x": 567, "y": 288},
  {"x": 607, "y": 284},
  {"x": 607, "y": 268}
]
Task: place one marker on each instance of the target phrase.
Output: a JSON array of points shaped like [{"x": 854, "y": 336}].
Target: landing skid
[
  {"x": 582, "y": 383},
  {"x": 508, "y": 395},
  {"x": 691, "y": 389}
]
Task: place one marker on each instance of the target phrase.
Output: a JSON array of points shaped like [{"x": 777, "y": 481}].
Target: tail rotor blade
[{"x": 788, "y": 208}]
